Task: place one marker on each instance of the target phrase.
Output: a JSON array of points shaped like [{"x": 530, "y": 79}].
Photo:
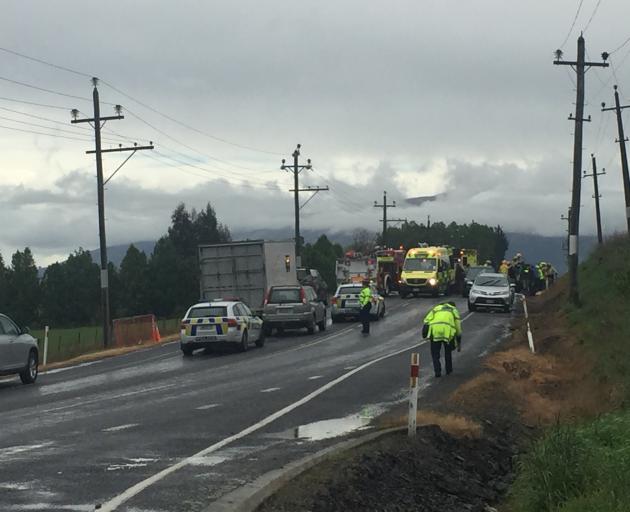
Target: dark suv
[
  {"x": 293, "y": 307},
  {"x": 311, "y": 277}
]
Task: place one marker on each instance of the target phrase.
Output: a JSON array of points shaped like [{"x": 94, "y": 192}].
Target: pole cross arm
[
  {"x": 91, "y": 120},
  {"x": 621, "y": 107},
  {"x": 584, "y": 120},
  {"x": 118, "y": 150}
]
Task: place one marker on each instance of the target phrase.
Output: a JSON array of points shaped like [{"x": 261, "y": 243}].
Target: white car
[
  {"x": 220, "y": 323},
  {"x": 345, "y": 303},
  {"x": 18, "y": 351},
  {"x": 491, "y": 290}
]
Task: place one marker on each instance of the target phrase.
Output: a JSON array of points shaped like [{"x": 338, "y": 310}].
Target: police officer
[
  {"x": 365, "y": 301},
  {"x": 442, "y": 327}
]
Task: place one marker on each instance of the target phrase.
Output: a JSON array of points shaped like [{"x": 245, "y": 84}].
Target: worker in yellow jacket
[{"x": 442, "y": 325}]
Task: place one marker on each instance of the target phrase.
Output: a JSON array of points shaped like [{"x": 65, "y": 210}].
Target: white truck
[{"x": 246, "y": 270}]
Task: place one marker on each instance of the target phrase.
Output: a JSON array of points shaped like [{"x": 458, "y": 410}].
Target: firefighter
[
  {"x": 365, "y": 301},
  {"x": 442, "y": 327}
]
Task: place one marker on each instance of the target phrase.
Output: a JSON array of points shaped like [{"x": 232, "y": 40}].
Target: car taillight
[
  {"x": 266, "y": 301},
  {"x": 232, "y": 322},
  {"x": 183, "y": 327},
  {"x": 333, "y": 300},
  {"x": 302, "y": 296}
]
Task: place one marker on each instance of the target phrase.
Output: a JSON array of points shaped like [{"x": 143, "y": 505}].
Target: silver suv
[
  {"x": 18, "y": 351},
  {"x": 289, "y": 307}
]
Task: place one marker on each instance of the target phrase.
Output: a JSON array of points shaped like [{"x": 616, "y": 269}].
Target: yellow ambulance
[{"x": 426, "y": 270}]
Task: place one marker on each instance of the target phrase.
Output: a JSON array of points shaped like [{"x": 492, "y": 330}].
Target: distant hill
[{"x": 533, "y": 247}]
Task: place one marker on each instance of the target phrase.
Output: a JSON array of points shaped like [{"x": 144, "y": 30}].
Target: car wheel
[
  {"x": 29, "y": 374},
  {"x": 387, "y": 289},
  {"x": 244, "y": 341},
  {"x": 188, "y": 351},
  {"x": 260, "y": 342},
  {"x": 471, "y": 307}
]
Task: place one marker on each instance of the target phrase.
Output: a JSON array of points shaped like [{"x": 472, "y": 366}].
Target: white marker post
[
  {"x": 45, "y": 345},
  {"x": 413, "y": 393},
  {"x": 530, "y": 336}
]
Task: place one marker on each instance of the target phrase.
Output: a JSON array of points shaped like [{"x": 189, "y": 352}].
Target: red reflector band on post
[{"x": 415, "y": 371}]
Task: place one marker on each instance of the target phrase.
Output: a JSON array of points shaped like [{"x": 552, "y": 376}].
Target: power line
[
  {"x": 4, "y": 98},
  {"x": 39, "y": 117},
  {"x": 572, "y": 24},
  {"x": 44, "y": 89},
  {"x": 592, "y": 15},
  {"x": 139, "y": 102},
  {"x": 177, "y": 121},
  {"x": 41, "y": 61},
  {"x": 620, "y": 46},
  {"x": 42, "y": 133}
]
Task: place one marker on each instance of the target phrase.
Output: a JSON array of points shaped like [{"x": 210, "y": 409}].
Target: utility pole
[
  {"x": 580, "y": 67},
  {"x": 296, "y": 169},
  {"x": 567, "y": 219},
  {"x": 622, "y": 149},
  {"x": 385, "y": 206},
  {"x": 97, "y": 122},
  {"x": 598, "y": 216}
]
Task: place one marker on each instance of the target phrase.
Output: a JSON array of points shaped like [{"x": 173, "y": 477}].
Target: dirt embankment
[{"x": 463, "y": 459}]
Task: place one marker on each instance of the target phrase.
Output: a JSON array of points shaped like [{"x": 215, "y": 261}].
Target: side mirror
[
  {"x": 512, "y": 286},
  {"x": 26, "y": 330}
]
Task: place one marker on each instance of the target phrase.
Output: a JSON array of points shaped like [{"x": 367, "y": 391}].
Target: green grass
[
  {"x": 586, "y": 467},
  {"x": 583, "y": 468},
  {"x": 64, "y": 344},
  {"x": 601, "y": 323}
]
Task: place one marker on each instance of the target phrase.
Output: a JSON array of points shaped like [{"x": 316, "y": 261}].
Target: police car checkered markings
[{"x": 125, "y": 496}]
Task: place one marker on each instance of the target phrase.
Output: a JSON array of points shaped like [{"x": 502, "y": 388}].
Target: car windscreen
[
  {"x": 473, "y": 272},
  {"x": 284, "y": 295},
  {"x": 350, "y": 290},
  {"x": 207, "y": 311},
  {"x": 424, "y": 264},
  {"x": 491, "y": 281}
]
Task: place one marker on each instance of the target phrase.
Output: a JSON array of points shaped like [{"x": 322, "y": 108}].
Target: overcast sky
[{"x": 414, "y": 97}]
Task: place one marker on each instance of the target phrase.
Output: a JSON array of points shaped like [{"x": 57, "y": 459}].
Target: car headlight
[{"x": 432, "y": 281}]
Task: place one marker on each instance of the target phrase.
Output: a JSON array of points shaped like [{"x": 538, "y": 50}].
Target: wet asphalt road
[{"x": 87, "y": 435}]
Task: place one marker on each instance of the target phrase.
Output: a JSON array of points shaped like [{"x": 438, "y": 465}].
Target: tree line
[
  {"x": 68, "y": 294},
  {"x": 166, "y": 282}
]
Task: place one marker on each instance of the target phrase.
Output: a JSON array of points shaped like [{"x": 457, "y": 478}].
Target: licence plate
[
  {"x": 352, "y": 303},
  {"x": 206, "y": 338},
  {"x": 415, "y": 289}
]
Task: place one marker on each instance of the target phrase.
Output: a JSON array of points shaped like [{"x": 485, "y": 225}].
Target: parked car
[
  {"x": 291, "y": 307},
  {"x": 471, "y": 274},
  {"x": 345, "y": 303},
  {"x": 220, "y": 323},
  {"x": 311, "y": 277},
  {"x": 491, "y": 290},
  {"x": 18, "y": 351}
]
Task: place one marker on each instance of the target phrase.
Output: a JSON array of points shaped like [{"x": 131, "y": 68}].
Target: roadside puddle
[{"x": 327, "y": 429}]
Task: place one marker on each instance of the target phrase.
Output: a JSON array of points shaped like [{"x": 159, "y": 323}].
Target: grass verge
[{"x": 585, "y": 466}]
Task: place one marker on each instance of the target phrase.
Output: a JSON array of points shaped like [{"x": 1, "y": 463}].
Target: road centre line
[
  {"x": 270, "y": 390},
  {"x": 205, "y": 407},
  {"x": 136, "y": 489},
  {"x": 118, "y": 428}
]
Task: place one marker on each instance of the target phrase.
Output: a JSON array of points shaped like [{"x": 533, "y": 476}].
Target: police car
[
  {"x": 220, "y": 323},
  {"x": 345, "y": 303}
]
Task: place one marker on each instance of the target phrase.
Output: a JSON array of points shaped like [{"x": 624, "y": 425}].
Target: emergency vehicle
[
  {"x": 389, "y": 265},
  {"x": 427, "y": 270},
  {"x": 468, "y": 257}
]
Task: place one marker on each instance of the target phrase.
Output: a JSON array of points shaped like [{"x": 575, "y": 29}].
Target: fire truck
[{"x": 389, "y": 265}]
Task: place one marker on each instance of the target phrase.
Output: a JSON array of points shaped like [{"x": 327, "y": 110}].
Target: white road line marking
[
  {"x": 315, "y": 377},
  {"x": 66, "y": 368},
  {"x": 114, "y": 397},
  {"x": 269, "y": 390},
  {"x": 136, "y": 489},
  {"x": 118, "y": 428},
  {"x": 349, "y": 367},
  {"x": 209, "y": 406}
]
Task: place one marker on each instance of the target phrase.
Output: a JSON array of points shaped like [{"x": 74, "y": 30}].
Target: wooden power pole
[
  {"x": 97, "y": 123},
  {"x": 580, "y": 67},
  {"x": 622, "y": 150},
  {"x": 385, "y": 206},
  {"x": 597, "y": 196}
]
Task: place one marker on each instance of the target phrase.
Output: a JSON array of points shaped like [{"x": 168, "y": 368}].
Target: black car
[
  {"x": 471, "y": 274},
  {"x": 311, "y": 277}
]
